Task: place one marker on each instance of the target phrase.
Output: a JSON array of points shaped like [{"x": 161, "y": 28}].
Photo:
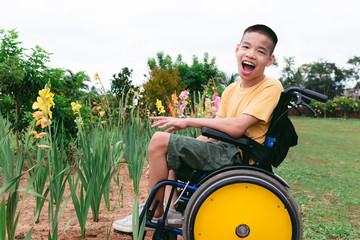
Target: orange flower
[
  {"x": 96, "y": 77},
  {"x": 174, "y": 98},
  {"x": 37, "y": 115},
  {"x": 44, "y": 146},
  {"x": 171, "y": 109},
  {"x": 44, "y": 122},
  {"x": 36, "y": 135}
]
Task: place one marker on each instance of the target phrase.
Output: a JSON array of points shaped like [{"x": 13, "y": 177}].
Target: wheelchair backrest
[{"x": 281, "y": 134}]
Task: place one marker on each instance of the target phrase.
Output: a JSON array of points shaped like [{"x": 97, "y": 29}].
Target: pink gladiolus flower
[
  {"x": 207, "y": 101},
  {"x": 215, "y": 95},
  {"x": 217, "y": 101},
  {"x": 184, "y": 94}
]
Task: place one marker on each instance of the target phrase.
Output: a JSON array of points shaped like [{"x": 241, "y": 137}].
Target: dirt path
[{"x": 94, "y": 230}]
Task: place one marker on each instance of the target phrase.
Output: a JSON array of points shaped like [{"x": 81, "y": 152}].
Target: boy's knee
[{"x": 159, "y": 140}]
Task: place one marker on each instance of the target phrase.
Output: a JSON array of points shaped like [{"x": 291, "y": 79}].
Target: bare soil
[{"x": 94, "y": 230}]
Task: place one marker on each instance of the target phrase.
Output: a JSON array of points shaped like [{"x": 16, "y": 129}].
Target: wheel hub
[{"x": 242, "y": 231}]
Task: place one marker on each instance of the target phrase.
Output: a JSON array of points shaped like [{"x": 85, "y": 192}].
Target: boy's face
[{"x": 253, "y": 55}]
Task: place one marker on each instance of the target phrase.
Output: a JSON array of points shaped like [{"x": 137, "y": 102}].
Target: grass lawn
[{"x": 323, "y": 171}]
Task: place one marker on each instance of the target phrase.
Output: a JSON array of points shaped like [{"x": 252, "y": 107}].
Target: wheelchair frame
[{"x": 162, "y": 231}]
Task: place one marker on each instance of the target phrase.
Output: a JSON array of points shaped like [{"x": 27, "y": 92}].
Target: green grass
[{"x": 324, "y": 173}]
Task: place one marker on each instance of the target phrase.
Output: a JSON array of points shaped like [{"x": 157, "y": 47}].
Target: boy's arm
[
  {"x": 234, "y": 127},
  {"x": 207, "y": 139}
]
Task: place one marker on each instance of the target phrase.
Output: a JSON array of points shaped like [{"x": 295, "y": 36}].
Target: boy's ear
[
  {"x": 237, "y": 49},
  {"x": 270, "y": 60}
]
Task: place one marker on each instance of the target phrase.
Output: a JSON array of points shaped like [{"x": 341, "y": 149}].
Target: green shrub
[{"x": 340, "y": 107}]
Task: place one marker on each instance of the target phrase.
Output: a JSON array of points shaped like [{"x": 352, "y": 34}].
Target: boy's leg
[
  {"x": 158, "y": 169},
  {"x": 172, "y": 176}
]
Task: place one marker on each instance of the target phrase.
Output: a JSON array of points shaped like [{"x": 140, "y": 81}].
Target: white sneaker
[
  {"x": 174, "y": 219},
  {"x": 125, "y": 224}
]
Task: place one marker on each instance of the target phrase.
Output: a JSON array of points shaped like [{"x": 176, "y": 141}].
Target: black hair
[{"x": 265, "y": 30}]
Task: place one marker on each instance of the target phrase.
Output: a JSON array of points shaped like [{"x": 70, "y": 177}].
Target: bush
[{"x": 339, "y": 107}]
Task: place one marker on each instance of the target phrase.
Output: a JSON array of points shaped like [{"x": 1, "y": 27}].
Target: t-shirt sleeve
[{"x": 263, "y": 104}]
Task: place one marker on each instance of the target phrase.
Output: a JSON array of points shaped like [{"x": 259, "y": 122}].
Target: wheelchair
[{"x": 237, "y": 202}]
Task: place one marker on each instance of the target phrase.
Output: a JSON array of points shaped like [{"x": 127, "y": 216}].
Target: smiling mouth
[{"x": 248, "y": 67}]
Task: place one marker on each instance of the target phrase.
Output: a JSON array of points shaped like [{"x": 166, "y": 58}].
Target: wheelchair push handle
[
  {"x": 315, "y": 95},
  {"x": 306, "y": 99},
  {"x": 309, "y": 93}
]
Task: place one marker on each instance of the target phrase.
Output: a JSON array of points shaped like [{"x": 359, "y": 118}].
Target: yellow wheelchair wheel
[{"x": 242, "y": 204}]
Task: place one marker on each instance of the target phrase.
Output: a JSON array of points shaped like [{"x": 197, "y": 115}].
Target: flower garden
[
  {"x": 107, "y": 140},
  {"x": 73, "y": 161}
]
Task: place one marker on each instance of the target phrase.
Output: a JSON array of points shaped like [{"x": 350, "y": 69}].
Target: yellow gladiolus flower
[
  {"x": 47, "y": 95},
  {"x": 45, "y": 101},
  {"x": 49, "y": 113},
  {"x": 79, "y": 120},
  {"x": 159, "y": 106},
  {"x": 96, "y": 77},
  {"x": 75, "y": 107}
]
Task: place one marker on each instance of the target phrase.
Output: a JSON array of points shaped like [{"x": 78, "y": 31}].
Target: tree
[
  {"x": 24, "y": 72},
  {"x": 162, "y": 84},
  {"x": 323, "y": 77},
  {"x": 122, "y": 83},
  {"x": 195, "y": 76},
  {"x": 199, "y": 73},
  {"x": 162, "y": 62},
  {"x": 225, "y": 80},
  {"x": 290, "y": 75},
  {"x": 354, "y": 73},
  {"x": 21, "y": 75}
]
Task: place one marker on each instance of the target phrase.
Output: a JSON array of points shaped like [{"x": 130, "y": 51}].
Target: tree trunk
[{"x": 16, "y": 119}]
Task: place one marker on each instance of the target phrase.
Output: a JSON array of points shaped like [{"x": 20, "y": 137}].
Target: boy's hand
[{"x": 175, "y": 124}]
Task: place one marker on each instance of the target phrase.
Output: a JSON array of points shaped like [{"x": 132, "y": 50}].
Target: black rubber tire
[{"x": 241, "y": 176}]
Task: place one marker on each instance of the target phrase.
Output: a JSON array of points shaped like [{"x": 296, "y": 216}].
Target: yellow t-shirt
[{"x": 259, "y": 101}]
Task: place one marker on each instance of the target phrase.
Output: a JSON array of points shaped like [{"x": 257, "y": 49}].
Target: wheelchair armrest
[{"x": 215, "y": 134}]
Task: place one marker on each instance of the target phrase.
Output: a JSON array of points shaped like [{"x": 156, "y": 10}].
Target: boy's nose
[{"x": 250, "y": 53}]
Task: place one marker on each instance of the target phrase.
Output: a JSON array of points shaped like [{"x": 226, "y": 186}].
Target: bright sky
[{"x": 104, "y": 36}]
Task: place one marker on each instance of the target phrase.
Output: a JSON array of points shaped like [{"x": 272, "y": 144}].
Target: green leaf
[{"x": 3, "y": 219}]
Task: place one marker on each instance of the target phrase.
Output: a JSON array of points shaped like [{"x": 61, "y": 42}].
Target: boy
[{"x": 246, "y": 108}]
